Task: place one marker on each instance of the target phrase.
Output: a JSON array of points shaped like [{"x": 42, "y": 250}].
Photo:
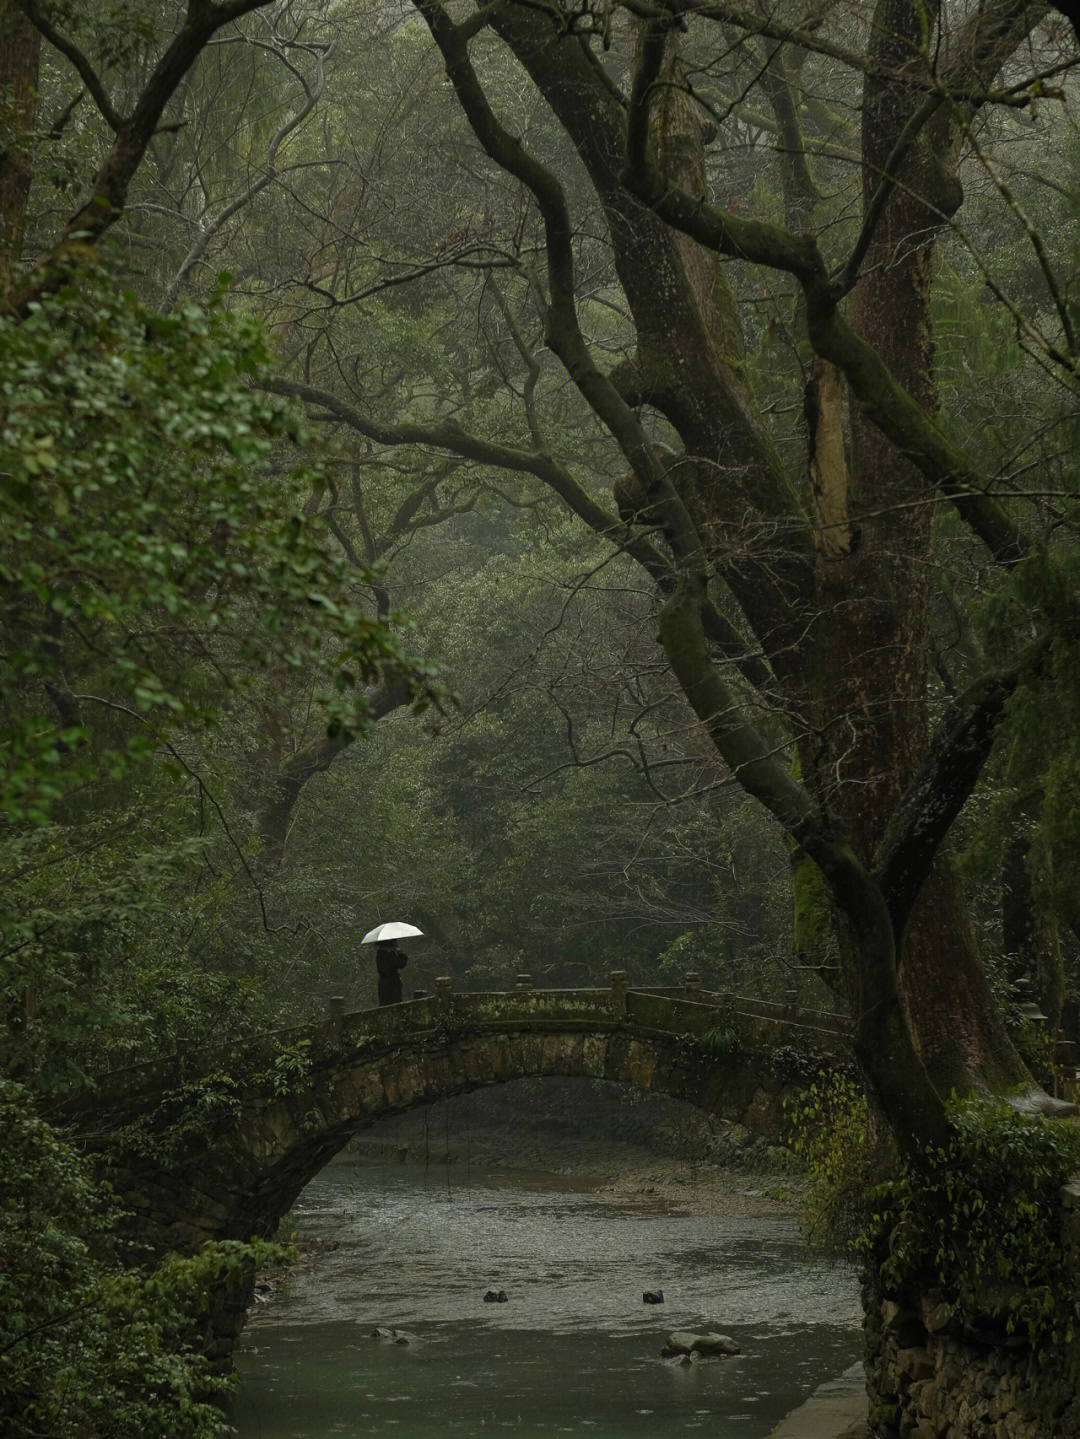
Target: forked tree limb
[
  {"x": 449, "y": 436},
  {"x": 945, "y": 781},
  {"x": 914, "y": 432},
  {"x": 108, "y": 193}
]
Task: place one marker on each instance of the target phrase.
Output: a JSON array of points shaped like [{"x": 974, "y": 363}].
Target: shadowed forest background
[{"x": 597, "y": 482}]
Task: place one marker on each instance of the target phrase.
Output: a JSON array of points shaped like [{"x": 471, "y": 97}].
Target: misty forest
[{"x": 594, "y": 484}]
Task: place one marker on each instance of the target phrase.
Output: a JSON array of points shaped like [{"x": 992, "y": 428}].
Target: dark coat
[{"x": 389, "y": 961}]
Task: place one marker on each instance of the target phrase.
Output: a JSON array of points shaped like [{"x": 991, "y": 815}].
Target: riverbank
[{"x": 835, "y": 1411}]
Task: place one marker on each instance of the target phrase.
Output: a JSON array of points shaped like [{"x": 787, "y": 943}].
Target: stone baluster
[
  {"x": 444, "y": 987},
  {"x": 524, "y": 981},
  {"x": 618, "y": 994},
  {"x": 691, "y": 986},
  {"x": 791, "y": 1006}
]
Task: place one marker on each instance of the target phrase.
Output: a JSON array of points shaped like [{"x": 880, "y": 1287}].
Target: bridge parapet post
[
  {"x": 692, "y": 986},
  {"x": 618, "y": 994},
  {"x": 524, "y": 981},
  {"x": 336, "y": 1012},
  {"x": 444, "y": 988}
]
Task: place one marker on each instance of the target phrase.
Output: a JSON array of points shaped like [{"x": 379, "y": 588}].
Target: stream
[{"x": 572, "y": 1350}]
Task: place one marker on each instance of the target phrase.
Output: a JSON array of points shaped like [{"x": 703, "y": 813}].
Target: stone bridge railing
[{"x": 680, "y": 1010}]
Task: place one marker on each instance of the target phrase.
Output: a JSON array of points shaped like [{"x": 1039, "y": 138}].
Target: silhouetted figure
[{"x": 389, "y": 961}]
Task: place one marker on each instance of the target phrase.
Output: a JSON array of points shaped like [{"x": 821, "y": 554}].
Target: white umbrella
[{"x": 394, "y": 930}]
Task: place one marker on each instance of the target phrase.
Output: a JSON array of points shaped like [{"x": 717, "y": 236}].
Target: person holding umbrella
[{"x": 389, "y": 960}]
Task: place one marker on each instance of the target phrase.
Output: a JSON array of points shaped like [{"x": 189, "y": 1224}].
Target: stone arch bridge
[{"x": 218, "y": 1143}]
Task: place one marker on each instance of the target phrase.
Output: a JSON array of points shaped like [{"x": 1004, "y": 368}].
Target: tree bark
[
  {"x": 884, "y": 626},
  {"x": 286, "y": 786},
  {"x": 690, "y": 362},
  {"x": 20, "y": 62},
  {"x": 874, "y": 624}
]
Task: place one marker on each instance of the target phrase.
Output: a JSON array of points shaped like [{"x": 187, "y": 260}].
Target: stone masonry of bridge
[{"x": 217, "y": 1144}]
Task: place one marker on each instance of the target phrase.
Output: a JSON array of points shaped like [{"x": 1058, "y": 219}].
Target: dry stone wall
[{"x": 933, "y": 1373}]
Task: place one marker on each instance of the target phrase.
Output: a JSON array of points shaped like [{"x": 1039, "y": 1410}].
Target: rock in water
[
  {"x": 653, "y": 1296},
  {"x": 714, "y": 1344},
  {"x": 492, "y": 1298},
  {"x": 683, "y": 1342}
]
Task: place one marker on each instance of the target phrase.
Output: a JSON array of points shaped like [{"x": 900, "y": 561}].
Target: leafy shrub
[
  {"x": 833, "y": 1133},
  {"x": 795, "y": 1066},
  {"x": 291, "y": 1068},
  {"x": 1037, "y": 1047},
  {"x": 719, "y": 1042},
  {"x": 980, "y": 1219},
  {"x": 88, "y": 1347}
]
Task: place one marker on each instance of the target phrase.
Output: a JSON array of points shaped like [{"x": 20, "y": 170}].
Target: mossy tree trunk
[
  {"x": 20, "y": 60},
  {"x": 874, "y": 616}
]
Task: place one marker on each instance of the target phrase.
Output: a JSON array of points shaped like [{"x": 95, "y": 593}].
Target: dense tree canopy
[{"x": 649, "y": 428}]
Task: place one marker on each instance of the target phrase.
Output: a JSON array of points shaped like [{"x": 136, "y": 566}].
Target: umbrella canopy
[{"x": 394, "y": 930}]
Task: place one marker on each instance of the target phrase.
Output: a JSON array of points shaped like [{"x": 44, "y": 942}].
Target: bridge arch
[
  {"x": 243, "y": 1131},
  {"x": 219, "y": 1143}
]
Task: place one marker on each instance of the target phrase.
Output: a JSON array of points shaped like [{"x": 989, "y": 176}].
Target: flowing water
[{"x": 573, "y": 1350}]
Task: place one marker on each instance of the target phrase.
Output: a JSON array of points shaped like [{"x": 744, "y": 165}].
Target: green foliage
[
  {"x": 1037, "y": 1045},
  {"x": 831, "y": 1131},
  {"x": 91, "y": 948},
  {"x": 88, "y": 1347},
  {"x": 156, "y": 1006},
  {"x": 813, "y": 917},
  {"x": 688, "y": 952},
  {"x": 719, "y": 1042},
  {"x": 142, "y": 529},
  {"x": 188, "y": 1114},
  {"x": 981, "y": 1220},
  {"x": 797, "y": 1066},
  {"x": 291, "y": 1068},
  {"x": 158, "y": 573}
]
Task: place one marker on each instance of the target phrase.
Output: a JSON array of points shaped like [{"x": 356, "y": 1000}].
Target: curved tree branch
[
  {"x": 899, "y": 416},
  {"x": 108, "y": 193},
  {"x": 448, "y": 435},
  {"x": 945, "y": 781},
  {"x": 95, "y": 86}
]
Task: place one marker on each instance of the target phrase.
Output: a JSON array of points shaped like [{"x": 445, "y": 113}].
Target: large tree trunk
[
  {"x": 875, "y": 639},
  {"x": 1029, "y": 934},
  {"x": 870, "y": 664},
  {"x": 20, "y": 58}
]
